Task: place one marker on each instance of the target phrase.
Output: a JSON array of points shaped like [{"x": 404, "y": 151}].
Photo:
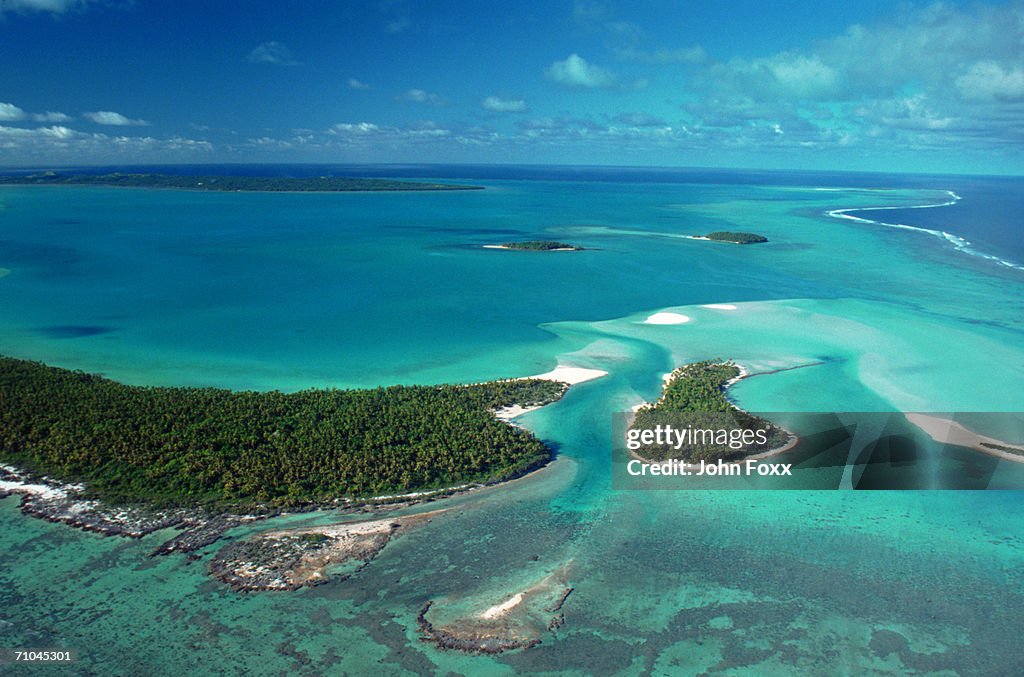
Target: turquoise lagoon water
[{"x": 292, "y": 291}]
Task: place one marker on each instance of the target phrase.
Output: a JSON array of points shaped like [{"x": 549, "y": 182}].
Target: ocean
[{"x": 292, "y": 291}]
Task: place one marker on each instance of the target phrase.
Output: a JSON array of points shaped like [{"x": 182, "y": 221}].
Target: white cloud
[
  {"x": 423, "y": 96},
  {"x": 353, "y": 128},
  {"x": 107, "y": 117},
  {"x": 272, "y": 52},
  {"x": 914, "y": 112},
  {"x": 499, "y": 105},
  {"x": 9, "y": 112},
  {"x": 575, "y": 71},
  {"x": 944, "y": 75},
  {"x": 57, "y": 143},
  {"x": 803, "y": 76},
  {"x": 357, "y": 84},
  {"x": 51, "y": 116},
  {"x": 987, "y": 80}
]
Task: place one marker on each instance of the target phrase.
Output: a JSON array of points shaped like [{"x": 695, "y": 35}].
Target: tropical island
[
  {"x": 313, "y": 184},
  {"x": 225, "y": 451},
  {"x": 537, "y": 246},
  {"x": 732, "y": 237},
  {"x": 694, "y": 398}
]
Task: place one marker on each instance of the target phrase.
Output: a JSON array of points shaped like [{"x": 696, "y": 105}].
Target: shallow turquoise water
[{"x": 293, "y": 291}]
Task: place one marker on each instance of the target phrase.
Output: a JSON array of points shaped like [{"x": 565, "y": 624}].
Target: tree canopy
[{"x": 206, "y": 446}]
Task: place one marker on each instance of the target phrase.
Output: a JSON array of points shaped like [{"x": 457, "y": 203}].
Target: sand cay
[
  {"x": 720, "y": 306},
  {"x": 519, "y": 622},
  {"x": 667, "y": 318},
  {"x": 946, "y": 431}
]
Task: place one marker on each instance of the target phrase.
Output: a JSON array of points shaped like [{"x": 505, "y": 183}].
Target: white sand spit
[
  {"x": 945, "y": 431},
  {"x": 571, "y": 375},
  {"x": 499, "y": 610}
]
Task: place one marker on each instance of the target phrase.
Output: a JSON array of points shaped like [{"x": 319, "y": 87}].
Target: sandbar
[
  {"x": 946, "y": 431},
  {"x": 570, "y": 375},
  {"x": 667, "y": 318},
  {"x": 719, "y": 306}
]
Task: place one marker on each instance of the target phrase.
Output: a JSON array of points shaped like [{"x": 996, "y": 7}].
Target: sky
[{"x": 864, "y": 86}]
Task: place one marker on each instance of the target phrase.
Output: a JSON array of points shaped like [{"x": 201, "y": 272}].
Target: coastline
[
  {"x": 524, "y": 249},
  {"x": 792, "y": 439},
  {"x": 362, "y": 191},
  {"x": 562, "y": 374},
  {"x": 61, "y": 502}
]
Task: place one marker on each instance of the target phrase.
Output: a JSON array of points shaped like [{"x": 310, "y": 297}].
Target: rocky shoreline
[
  {"x": 517, "y": 622},
  {"x": 479, "y": 641},
  {"x": 295, "y": 558},
  {"x": 63, "y": 503}
]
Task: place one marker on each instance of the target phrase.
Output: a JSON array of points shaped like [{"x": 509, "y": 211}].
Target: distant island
[
  {"x": 313, "y": 184},
  {"x": 252, "y": 451},
  {"x": 694, "y": 398},
  {"x": 732, "y": 237},
  {"x": 537, "y": 246}
]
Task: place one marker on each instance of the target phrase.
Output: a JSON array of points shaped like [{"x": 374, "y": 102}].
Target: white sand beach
[
  {"x": 563, "y": 373},
  {"x": 499, "y": 610},
  {"x": 515, "y": 411},
  {"x": 667, "y": 318},
  {"x": 570, "y": 375}
]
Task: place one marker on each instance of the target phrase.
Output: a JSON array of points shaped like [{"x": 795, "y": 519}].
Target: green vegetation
[
  {"x": 736, "y": 238},
  {"x": 244, "y": 450},
  {"x": 315, "y": 184},
  {"x": 694, "y": 397},
  {"x": 541, "y": 246}
]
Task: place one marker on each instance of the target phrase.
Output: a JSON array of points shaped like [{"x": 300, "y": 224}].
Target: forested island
[
  {"x": 540, "y": 246},
  {"x": 170, "y": 447},
  {"x": 313, "y": 184},
  {"x": 733, "y": 237},
  {"x": 694, "y": 398}
]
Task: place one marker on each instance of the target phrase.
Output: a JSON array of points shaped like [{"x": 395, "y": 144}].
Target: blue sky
[{"x": 926, "y": 87}]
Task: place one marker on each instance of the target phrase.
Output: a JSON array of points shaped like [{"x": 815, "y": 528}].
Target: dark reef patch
[{"x": 73, "y": 331}]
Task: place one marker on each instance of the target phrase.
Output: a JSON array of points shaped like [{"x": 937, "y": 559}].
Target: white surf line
[{"x": 958, "y": 242}]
